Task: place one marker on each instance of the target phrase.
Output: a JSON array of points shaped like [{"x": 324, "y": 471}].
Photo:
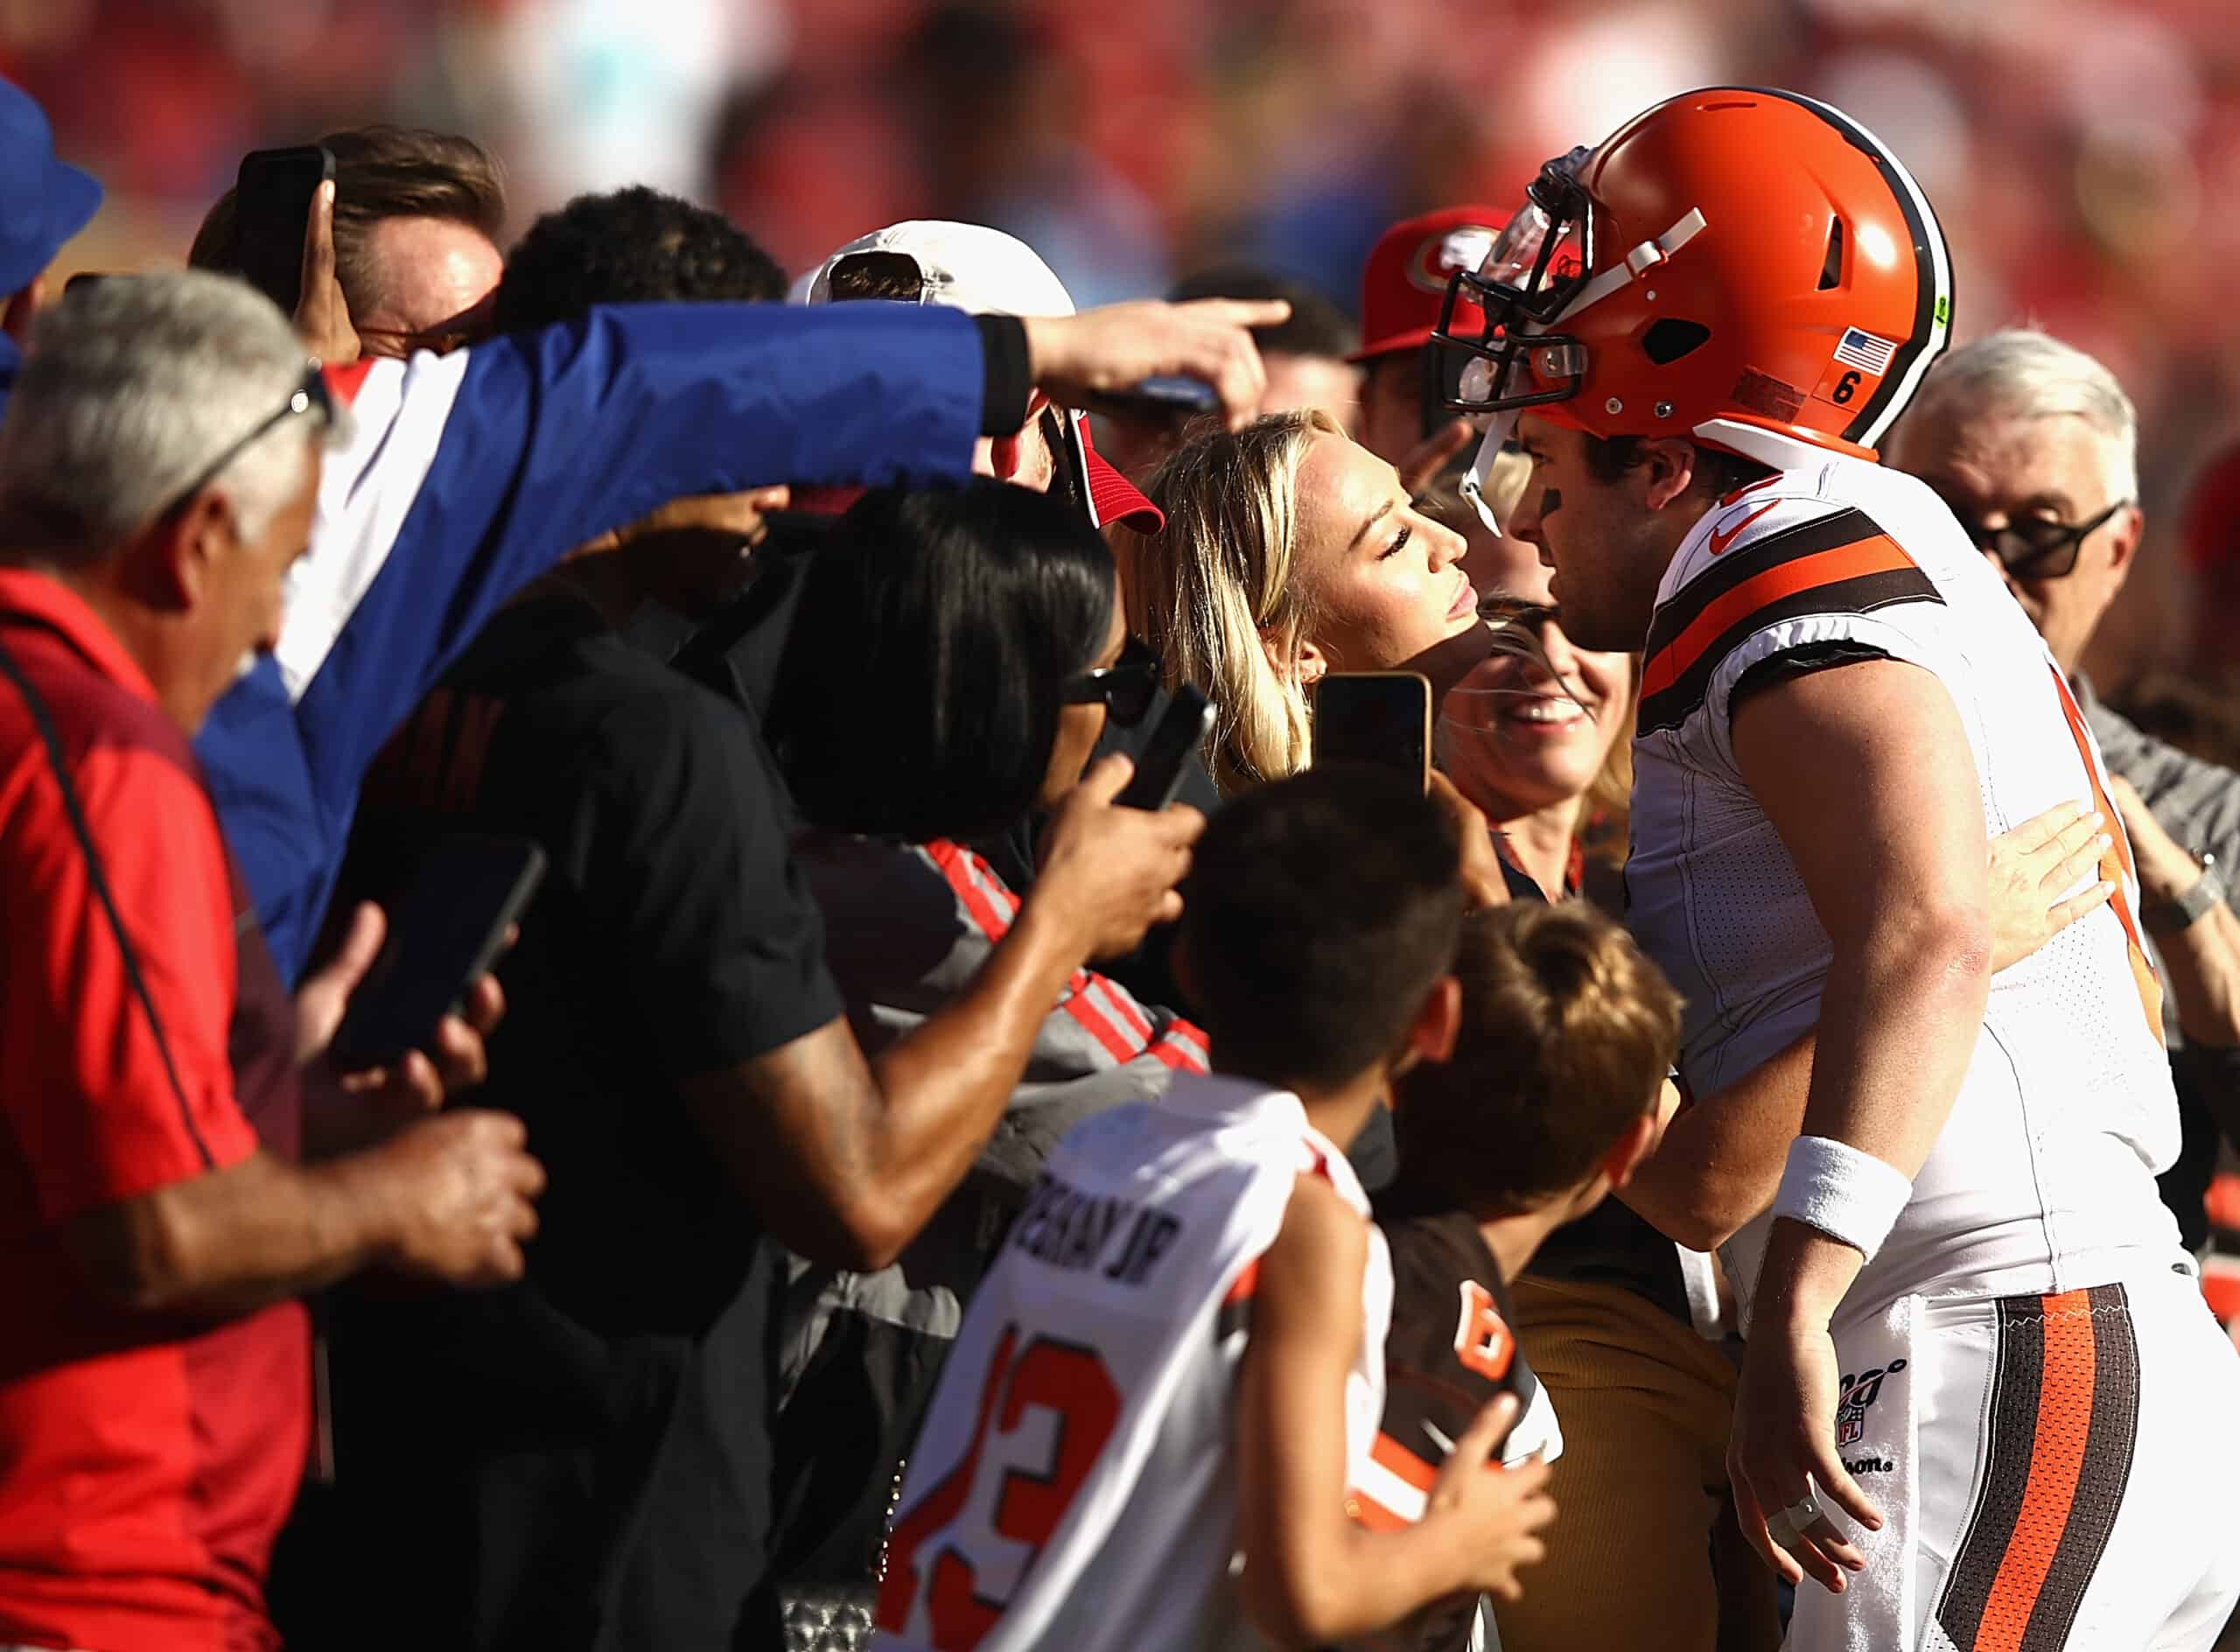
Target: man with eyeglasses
[
  {"x": 168, "y": 1199},
  {"x": 2035, "y": 445}
]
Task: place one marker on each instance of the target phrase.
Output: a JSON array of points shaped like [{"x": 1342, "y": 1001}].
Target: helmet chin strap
[
  {"x": 1638, "y": 261},
  {"x": 1480, "y": 473}
]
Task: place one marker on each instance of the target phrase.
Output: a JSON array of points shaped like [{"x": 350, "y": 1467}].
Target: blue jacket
[{"x": 469, "y": 475}]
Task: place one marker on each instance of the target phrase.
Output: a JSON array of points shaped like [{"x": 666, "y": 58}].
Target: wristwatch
[{"x": 2173, "y": 917}]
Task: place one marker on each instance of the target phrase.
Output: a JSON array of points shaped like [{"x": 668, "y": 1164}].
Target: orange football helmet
[{"x": 1748, "y": 268}]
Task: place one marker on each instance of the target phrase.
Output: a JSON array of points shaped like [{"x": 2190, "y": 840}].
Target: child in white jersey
[{"x": 1143, "y": 1435}]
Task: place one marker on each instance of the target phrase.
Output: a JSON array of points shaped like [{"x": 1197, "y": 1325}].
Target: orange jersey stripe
[
  {"x": 2116, "y": 867},
  {"x": 1878, "y": 553},
  {"x": 2057, "y": 1461},
  {"x": 1389, "y": 1453}
]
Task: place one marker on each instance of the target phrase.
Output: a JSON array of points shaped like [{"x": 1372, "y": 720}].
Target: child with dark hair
[{"x": 1178, "y": 1352}]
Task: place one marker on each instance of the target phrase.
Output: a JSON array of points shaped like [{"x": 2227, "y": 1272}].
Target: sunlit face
[
  {"x": 1500, "y": 564},
  {"x": 433, "y": 281},
  {"x": 1601, "y": 542},
  {"x": 1080, "y": 727},
  {"x": 1518, "y": 735},
  {"x": 1993, "y": 469},
  {"x": 243, "y": 590},
  {"x": 1382, "y": 581},
  {"x": 1296, "y": 382}
]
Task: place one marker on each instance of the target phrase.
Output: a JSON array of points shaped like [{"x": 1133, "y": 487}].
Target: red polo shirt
[{"x": 143, "y": 1472}]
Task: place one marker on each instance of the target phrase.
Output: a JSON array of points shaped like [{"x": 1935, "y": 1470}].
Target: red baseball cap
[
  {"x": 1113, "y": 496},
  {"x": 1405, "y": 281}
]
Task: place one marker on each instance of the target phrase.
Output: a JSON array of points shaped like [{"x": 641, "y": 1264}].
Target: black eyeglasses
[
  {"x": 311, "y": 392},
  {"x": 405, "y": 343},
  {"x": 1127, "y": 687},
  {"x": 2033, "y": 546}
]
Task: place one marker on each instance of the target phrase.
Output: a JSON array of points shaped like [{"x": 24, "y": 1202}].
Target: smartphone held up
[
  {"x": 272, "y": 205},
  {"x": 1379, "y": 718}
]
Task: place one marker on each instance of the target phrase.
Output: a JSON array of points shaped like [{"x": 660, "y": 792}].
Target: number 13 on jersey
[{"x": 960, "y": 1553}]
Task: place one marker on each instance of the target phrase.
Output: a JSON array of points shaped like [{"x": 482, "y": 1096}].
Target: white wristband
[{"x": 1849, "y": 1195}]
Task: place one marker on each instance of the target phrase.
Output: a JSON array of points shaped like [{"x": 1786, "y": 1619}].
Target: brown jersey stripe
[
  {"x": 1845, "y": 527},
  {"x": 2108, "y": 1445},
  {"x": 2012, "y": 1436},
  {"x": 1857, "y": 558},
  {"x": 1676, "y": 698}
]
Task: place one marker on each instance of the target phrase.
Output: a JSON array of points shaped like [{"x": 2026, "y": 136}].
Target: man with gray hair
[
  {"x": 157, "y": 472},
  {"x": 2035, "y": 445}
]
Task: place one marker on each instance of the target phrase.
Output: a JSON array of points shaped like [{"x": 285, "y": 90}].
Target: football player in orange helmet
[{"x": 1956, "y": 1276}]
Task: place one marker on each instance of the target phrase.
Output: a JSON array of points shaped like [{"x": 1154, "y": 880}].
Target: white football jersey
[
  {"x": 1074, "y": 1484},
  {"x": 2043, "y": 1178}
]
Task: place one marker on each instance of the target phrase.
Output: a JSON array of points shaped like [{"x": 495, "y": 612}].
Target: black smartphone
[
  {"x": 88, "y": 278},
  {"x": 1382, "y": 717},
  {"x": 1182, "y": 730},
  {"x": 272, "y": 209},
  {"x": 444, "y": 930},
  {"x": 1156, "y": 400}
]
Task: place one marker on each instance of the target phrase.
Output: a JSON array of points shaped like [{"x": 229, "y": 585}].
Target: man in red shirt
[{"x": 157, "y": 474}]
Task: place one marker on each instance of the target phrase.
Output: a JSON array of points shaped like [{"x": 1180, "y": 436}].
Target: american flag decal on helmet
[{"x": 1865, "y": 352}]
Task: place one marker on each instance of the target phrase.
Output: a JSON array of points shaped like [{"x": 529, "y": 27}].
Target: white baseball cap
[{"x": 961, "y": 267}]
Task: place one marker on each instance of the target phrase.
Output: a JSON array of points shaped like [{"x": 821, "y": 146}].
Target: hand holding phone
[
  {"x": 445, "y": 931},
  {"x": 1382, "y": 718},
  {"x": 1181, "y": 730}
]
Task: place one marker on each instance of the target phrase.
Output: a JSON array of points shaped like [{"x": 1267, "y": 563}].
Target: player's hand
[
  {"x": 322, "y": 314},
  {"x": 1109, "y": 873},
  {"x": 1482, "y": 882},
  {"x": 2033, "y": 867},
  {"x": 460, "y": 1187},
  {"x": 1075, "y": 357},
  {"x": 1493, "y": 1512},
  {"x": 1784, "y": 1441}
]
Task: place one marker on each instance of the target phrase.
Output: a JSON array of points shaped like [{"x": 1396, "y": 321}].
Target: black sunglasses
[
  {"x": 1126, "y": 687},
  {"x": 1497, "y": 610},
  {"x": 2033, "y": 547},
  {"x": 311, "y": 392}
]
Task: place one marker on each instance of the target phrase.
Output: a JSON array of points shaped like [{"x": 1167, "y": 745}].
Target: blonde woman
[{"x": 1290, "y": 551}]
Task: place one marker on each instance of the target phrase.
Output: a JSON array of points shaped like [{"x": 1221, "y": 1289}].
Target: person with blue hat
[{"x": 43, "y": 201}]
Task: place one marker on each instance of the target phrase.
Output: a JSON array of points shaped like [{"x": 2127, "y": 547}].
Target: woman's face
[
  {"x": 1516, "y": 735},
  {"x": 1384, "y": 582},
  {"x": 1080, "y": 727}
]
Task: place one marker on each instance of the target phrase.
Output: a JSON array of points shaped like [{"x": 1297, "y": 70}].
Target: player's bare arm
[
  {"x": 1885, "y": 829},
  {"x": 1312, "y": 1575},
  {"x": 1719, "y": 1161}
]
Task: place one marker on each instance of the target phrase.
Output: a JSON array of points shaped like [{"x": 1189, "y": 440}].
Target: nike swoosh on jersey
[
  {"x": 1842, "y": 562},
  {"x": 1720, "y": 540}
]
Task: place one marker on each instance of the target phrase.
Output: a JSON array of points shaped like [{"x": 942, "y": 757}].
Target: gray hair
[
  {"x": 2021, "y": 373},
  {"x": 129, "y": 392}
]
